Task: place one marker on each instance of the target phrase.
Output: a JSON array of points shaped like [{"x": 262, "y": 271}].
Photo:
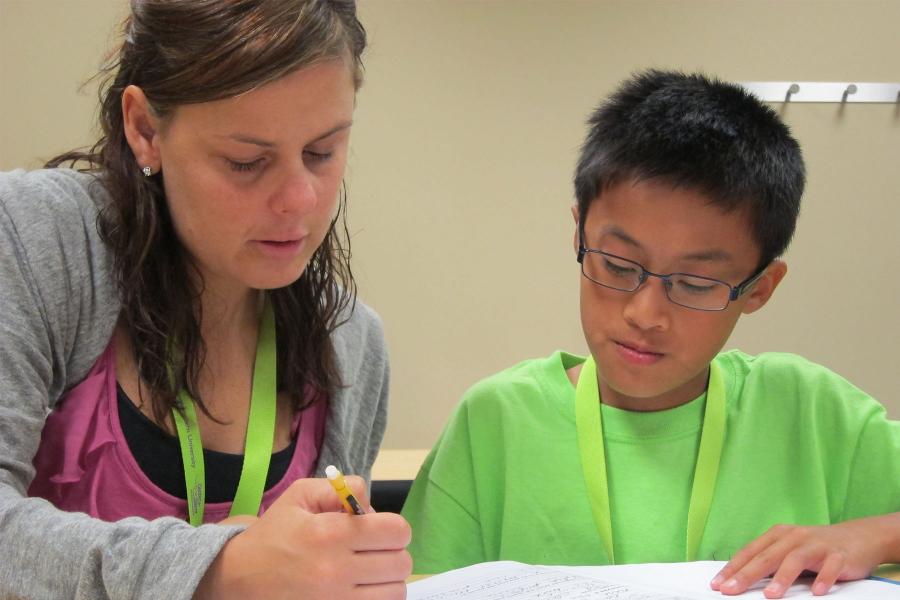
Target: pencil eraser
[{"x": 331, "y": 472}]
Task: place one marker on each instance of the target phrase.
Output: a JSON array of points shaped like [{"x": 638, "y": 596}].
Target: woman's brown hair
[{"x": 189, "y": 51}]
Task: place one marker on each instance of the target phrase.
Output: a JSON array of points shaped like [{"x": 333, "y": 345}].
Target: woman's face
[{"x": 252, "y": 181}]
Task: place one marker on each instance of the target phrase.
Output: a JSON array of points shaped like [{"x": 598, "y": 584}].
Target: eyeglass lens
[{"x": 687, "y": 290}]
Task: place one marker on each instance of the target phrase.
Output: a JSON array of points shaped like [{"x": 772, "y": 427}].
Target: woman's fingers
[
  {"x": 380, "y": 531},
  {"x": 382, "y": 566}
]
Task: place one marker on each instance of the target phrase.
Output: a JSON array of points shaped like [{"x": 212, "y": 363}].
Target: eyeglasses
[{"x": 691, "y": 291}]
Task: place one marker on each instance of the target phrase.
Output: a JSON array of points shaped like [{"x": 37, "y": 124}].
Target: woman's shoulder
[
  {"x": 49, "y": 218},
  {"x": 51, "y": 205},
  {"x": 57, "y": 284},
  {"x": 359, "y": 336},
  {"x": 57, "y": 190},
  {"x": 358, "y": 322},
  {"x": 357, "y": 316}
]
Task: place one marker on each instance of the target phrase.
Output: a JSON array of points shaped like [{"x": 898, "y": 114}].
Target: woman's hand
[
  {"x": 840, "y": 552},
  {"x": 246, "y": 520},
  {"x": 305, "y": 547}
]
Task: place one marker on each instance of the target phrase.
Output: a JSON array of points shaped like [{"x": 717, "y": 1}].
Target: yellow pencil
[{"x": 336, "y": 479}]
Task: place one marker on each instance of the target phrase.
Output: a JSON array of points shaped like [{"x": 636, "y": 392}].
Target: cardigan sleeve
[{"x": 58, "y": 308}]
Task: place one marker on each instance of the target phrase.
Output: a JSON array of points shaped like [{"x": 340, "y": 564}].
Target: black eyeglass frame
[{"x": 735, "y": 291}]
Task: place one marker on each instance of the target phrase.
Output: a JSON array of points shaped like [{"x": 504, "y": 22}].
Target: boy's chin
[{"x": 643, "y": 394}]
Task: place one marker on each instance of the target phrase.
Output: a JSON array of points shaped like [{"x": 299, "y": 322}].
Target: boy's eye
[
  {"x": 619, "y": 269},
  {"x": 695, "y": 286},
  {"x": 244, "y": 167}
]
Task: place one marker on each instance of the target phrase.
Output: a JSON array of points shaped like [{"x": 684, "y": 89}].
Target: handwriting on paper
[{"x": 534, "y": 583}]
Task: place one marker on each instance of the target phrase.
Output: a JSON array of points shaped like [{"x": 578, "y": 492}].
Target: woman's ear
[
  {"x": 141, "y": 128},
  {"x": 764, "y": 287}
]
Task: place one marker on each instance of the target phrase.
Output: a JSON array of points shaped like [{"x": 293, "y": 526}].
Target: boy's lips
[{"x": 637, "y": 353}]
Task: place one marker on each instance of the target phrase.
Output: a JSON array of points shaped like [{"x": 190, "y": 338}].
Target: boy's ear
[
  {"x": 141, "y": 127},
  {"x": 575, "y": 235},
  {"x": 765, "y": 287}
]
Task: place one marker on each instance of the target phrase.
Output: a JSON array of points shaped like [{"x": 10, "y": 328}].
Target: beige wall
[{"x": 465, "y": 138}]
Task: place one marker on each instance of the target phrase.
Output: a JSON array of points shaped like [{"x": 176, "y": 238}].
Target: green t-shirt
[{"x": 505, "y": 480}]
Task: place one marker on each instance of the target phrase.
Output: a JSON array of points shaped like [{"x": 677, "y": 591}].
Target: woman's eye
[
  {"x": 317, "y": 156},
  {"x": 244, "y": 167}
]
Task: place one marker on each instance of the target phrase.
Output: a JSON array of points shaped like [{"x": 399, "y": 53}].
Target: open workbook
[{"x": 663, "y": 581}]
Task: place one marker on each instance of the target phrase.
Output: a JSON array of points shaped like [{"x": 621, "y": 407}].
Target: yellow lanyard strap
[
  {"x": 589, "y": 424},
  {"x": 259, "y": 440}
]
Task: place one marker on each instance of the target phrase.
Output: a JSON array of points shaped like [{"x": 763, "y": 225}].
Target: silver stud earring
[{"x": 147, "y": 171}]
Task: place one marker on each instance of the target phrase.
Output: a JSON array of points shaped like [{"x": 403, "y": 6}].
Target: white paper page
[
  {"x": 692, "y": 579},
  {"x": 677, "y": 581},
  {"x": 511, "y": 580}
]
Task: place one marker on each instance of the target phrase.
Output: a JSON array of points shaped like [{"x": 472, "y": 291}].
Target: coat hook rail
[{"x": 824, "y": 91}]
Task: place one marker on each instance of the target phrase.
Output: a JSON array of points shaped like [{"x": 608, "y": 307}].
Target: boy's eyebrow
[
  {"x": 617, "y": 232},
  {"x": 715, "y": 255},
  {"x": 709, "y": 256},
  {"x": 249, "y": 139}
]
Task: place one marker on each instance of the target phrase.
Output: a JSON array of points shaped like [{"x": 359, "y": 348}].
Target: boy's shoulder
[
  {"x": 776, "y": 366},
  {"x": 531, "y": 381},
  {"x": 788, "y": 380}
]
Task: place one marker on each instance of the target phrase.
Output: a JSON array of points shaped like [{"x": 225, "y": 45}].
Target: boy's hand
[
  {"x": 841, "y": 552},
  {"x": 305, "y": 547}
]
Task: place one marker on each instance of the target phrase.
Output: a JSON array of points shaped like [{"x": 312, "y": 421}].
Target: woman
[{"x": 190, "y": 289}]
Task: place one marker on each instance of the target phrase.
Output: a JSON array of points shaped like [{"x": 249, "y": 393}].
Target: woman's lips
[
  {"x": 281, "y": 248},
  {"x": 637, "y": 356}
]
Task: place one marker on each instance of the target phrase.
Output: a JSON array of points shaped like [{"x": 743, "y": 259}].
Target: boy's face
[{"x": 651, "y": 353}]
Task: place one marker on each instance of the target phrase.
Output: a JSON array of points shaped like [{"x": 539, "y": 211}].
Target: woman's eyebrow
[{"x": 256, "y": 141}]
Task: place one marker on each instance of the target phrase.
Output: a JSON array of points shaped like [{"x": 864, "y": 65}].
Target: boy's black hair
[{"x": 700, "y": 133}]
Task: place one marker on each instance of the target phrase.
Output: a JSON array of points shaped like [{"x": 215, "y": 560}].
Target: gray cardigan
[{"x": 58, "y": 307}]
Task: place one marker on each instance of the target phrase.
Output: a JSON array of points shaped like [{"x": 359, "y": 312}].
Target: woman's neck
[{"x": 229, "y": 314}]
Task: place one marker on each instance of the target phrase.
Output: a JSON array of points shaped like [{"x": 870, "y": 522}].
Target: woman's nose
[{"x": 297, "y": 193}]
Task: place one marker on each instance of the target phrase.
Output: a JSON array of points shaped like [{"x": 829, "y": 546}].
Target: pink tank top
[{"x": 84, "y": 465}]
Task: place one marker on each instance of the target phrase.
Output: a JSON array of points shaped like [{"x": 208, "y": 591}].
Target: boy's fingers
[
  {"x": 790, "y": 569},
  {"x": 742, "y": 558},
  {"x": 828, "y": 574},
  {"x": 762, "y": 565}
]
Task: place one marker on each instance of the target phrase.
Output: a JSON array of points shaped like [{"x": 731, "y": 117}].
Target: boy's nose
[
  {"x": 296, "y": 193},
  {"x": 649, "y": 307}
]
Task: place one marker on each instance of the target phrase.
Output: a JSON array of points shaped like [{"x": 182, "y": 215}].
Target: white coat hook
[
  {"x": 793, "y": 89},
  {"x": 851, "y": 89}
]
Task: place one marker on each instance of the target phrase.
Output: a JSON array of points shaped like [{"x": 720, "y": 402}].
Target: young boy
[{"x": 658, "y": 447}]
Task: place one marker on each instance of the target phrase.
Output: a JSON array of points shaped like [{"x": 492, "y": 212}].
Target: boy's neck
[{"x": 672, "y": 399}]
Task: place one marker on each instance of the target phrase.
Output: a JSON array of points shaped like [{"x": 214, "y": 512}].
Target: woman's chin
[{"x": 273, "y": 281}]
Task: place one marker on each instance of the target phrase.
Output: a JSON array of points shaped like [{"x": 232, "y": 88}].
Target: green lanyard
[
  {"x": 593, "y": 456},
  {"x": 260, "y": 434}
]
